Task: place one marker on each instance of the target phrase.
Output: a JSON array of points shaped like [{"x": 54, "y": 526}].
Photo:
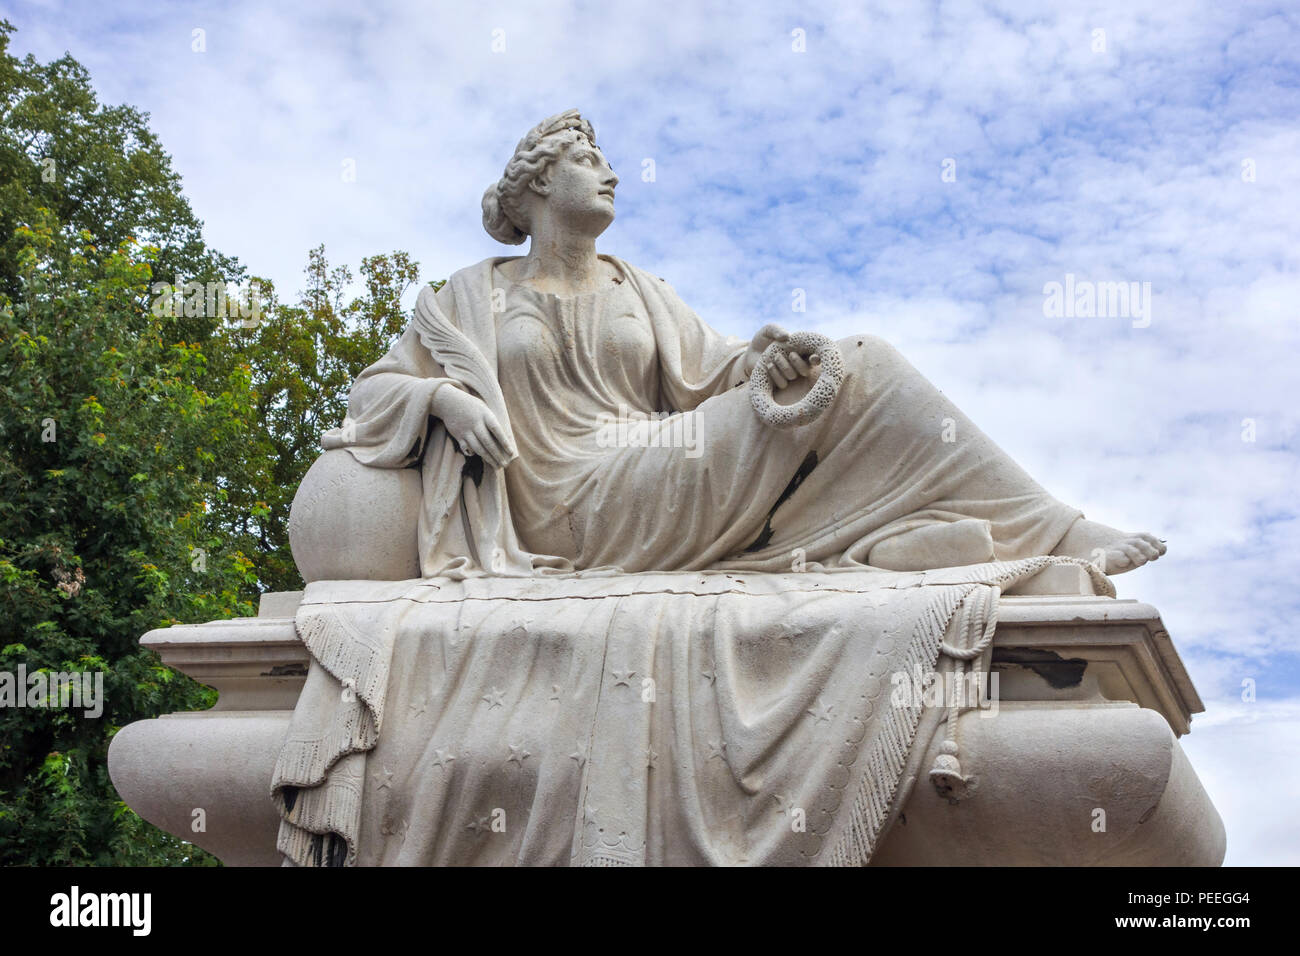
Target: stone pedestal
[{"x": 1079, "y": 766}]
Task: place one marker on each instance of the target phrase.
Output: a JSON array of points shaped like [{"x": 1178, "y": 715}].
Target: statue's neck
[{"x": 560, "y": 262}]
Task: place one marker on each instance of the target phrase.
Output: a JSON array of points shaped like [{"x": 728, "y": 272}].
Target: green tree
[
  {"x": 98, "y": 168},
  {"x": 302, "y": 360},
  {"x": 109, "y": 465},
  {"x": 112, "y": 429},
  {"x": 150, "y": 447}
]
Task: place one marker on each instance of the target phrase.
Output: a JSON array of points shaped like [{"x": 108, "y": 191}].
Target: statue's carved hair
[{"x": 503, "y": 210}]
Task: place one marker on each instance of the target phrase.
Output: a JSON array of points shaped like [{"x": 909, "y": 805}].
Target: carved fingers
[
  {"x": 469, "y": 445},
  {"x": 489, "y": 438},
  {"x": 767, "y": 335},
  {"x": 767, "y": 376},
  {"x": 488, "y": 444},
  {"x": 762, "y": 339},
  {"x": 475, "y": 428},
  {"x": 801, "y": 365},
  {"x": 786, "y": 367}
]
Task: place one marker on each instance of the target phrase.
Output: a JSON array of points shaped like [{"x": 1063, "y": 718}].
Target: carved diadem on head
[{"x": 504, "y": 216}]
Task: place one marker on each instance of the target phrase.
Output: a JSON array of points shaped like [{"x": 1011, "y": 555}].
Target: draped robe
[
  {"x": 532, "y": 700},
  {"x": 698, "y": 482}
]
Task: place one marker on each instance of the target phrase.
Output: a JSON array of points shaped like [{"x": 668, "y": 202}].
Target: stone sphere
[{"x": 350, "y": 522}]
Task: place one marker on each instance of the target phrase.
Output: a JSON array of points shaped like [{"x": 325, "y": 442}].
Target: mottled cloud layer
[{"x": 1164, "y": 150}]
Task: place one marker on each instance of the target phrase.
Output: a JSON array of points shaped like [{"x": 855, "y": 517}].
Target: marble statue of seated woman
[{"x": 481, "y": 442}]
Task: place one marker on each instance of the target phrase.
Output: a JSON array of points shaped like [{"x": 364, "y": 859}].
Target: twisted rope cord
[{"x": 947, "y": 775}]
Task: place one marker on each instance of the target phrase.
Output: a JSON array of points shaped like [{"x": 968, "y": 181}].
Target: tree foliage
[
  {"x": 148, "y": 456},
  {"x": 302, "y": 360},
  {"x": 109, "y": 464}
]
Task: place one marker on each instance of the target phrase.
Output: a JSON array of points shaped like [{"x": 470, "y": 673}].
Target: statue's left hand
[{"x": 787, "y": 366}]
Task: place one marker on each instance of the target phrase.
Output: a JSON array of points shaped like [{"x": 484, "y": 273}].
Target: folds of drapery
[
  {"x": 658, "y": 718},
  {"x": 498, "y": 690},
  {"x": 465, "y": 525}
]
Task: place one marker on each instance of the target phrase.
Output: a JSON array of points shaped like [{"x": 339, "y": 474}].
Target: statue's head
[{"x": 557, "y": 171}]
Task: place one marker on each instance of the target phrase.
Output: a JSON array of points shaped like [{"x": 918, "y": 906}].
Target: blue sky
[{"x": 1169, "y": 155}]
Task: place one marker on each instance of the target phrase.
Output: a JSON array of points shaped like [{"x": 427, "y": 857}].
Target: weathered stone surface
[
  {"x": 1044, "y": 763},
  {"x": 554, "y": 486},
  {"x": 1103, "y": 785},
  {"x": 348, "y": 521}
]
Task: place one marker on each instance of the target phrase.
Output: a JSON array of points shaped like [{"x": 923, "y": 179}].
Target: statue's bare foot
[{"x": 1113, "y": 551}]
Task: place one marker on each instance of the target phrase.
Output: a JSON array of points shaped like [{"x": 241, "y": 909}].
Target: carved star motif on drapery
[
  {"x": 821, "y": 711},
  {"x": 494, "y": 698},
  {"x": 517, "y": 755},
  {"x": 443, "y": 757},
  {"x": 623, "y": 677}
]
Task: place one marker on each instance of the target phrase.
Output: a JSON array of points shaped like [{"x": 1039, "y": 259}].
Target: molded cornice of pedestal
[
  {"x": 1047, "y": 647},
  {"x": 254, "y": 663},
  {"x": 1122, "y": 647}
]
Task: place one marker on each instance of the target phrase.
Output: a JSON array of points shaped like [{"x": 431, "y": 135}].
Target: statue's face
[{"x": 579, "y": 188}]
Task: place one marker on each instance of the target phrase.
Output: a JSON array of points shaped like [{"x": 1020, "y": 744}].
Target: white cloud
[
  {"x": 821, "y": 170},
  {"x": 1247, "y": 756}
]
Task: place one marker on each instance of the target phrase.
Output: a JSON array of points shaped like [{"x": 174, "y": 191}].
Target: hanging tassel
[{"x": 946, "y": 774}]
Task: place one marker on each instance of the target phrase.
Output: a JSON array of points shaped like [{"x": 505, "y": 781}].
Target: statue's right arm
[
  {"x": 392, "y": 401},
  {"x": 390, "y": 405}
]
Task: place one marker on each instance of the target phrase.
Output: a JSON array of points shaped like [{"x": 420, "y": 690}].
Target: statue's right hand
[
  {"x": 762, "y": 339},
  {"x": 767, "y": 335},
  {"x": 469, "y": 421},
  {"x": 784, "y": 368}
]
